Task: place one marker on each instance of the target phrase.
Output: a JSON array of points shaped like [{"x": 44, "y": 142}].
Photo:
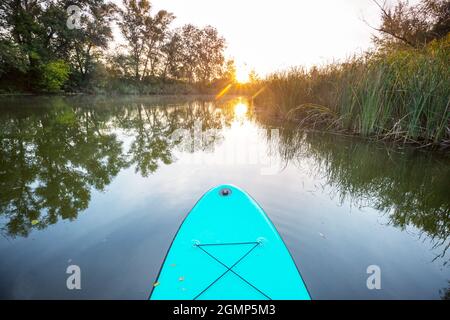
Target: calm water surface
[{"x": 105, "y": 183}]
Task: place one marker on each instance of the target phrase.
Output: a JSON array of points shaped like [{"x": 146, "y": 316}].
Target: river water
[{"x": 104, "y": 184}]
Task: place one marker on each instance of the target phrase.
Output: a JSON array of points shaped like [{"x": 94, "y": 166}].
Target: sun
[
  {"x": 242, "y": 75},
  {"x": 240, "y": 110}
]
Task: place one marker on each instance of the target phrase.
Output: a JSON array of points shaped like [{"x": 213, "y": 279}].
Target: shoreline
[{"x": 262, "y": 112}]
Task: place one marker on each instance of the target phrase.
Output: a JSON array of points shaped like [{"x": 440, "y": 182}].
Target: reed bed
[{"x": 401, "y": 95}]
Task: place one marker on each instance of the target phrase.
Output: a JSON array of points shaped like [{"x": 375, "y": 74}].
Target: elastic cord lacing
[{"x": 229, "y": 269}]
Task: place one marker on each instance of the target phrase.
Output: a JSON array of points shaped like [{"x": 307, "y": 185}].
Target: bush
[{"x": 53, "y": 75}]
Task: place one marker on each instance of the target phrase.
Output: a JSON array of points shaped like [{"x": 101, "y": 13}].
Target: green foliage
[
  {"x": 34, "y": 34},
  {"x": 403, "y": 95},
  {"x": 188, "y": 53},
  {"x": 53, "y": 75},
  {"x": 11, "y": 58}
]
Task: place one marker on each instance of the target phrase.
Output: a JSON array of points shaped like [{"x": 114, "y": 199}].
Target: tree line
[{"x": 49, "y": 45}]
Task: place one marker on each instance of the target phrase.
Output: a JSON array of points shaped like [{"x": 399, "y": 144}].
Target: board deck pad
[{"x": 228, "y": 249}]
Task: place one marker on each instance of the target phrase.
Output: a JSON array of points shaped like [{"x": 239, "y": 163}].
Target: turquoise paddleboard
[{"x": 228, "y": 249}]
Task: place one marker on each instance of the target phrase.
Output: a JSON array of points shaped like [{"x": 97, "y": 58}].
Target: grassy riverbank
[{"x": 401, "y": 95}]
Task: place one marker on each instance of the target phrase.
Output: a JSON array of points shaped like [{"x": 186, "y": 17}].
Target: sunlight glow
[
  {"x": 299, "y": 33},
  {"x": 223, "y": 92},
  {"x": 242, "y": 75},
  {"x": 240, "y": 110}
]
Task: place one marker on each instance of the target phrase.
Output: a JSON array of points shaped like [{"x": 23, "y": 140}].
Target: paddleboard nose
[{"x": 225, "y": 192}]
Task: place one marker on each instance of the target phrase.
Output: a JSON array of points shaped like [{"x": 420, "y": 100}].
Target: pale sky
[{"x": 269, "y": 35}]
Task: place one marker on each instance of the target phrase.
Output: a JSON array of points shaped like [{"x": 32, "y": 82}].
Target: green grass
[{"x": 401, "y": 95}]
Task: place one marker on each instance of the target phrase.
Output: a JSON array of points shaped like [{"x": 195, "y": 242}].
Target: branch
[
  {"x": 388, "y": 16},
  {"x": 396, "y": 37}
]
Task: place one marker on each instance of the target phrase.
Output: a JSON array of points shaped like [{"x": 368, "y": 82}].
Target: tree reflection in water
[
  {"x": 410, "y": 186},
  {"x": 55, "y": 151}
]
